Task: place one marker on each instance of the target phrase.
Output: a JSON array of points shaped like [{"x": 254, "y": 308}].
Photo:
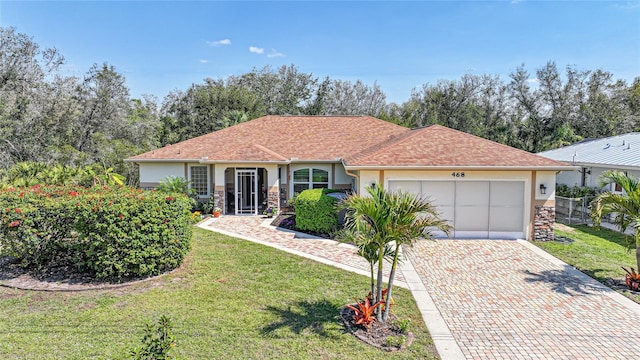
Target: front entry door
[{"x": 246, "y": 189}]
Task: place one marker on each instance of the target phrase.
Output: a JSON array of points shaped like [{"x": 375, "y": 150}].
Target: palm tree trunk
[
  {"x": 637, "y": 236},
  {"x": 373, "y": 284},
  {"x": 392, "y": 275},
  {"x": 379, "y": 283}
]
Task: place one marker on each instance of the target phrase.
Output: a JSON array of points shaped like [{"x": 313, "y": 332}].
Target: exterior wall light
[{"x": 543, "y": 189}]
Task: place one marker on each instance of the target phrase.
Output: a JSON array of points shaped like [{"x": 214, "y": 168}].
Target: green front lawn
[
  {"x": 231, "y": 299},
  {"x": 598, "y": 253}
]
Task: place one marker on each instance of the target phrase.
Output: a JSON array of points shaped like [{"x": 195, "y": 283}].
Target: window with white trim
[
  {"x": 310, "y": 178},
  {"x": 200, "y": 180}
]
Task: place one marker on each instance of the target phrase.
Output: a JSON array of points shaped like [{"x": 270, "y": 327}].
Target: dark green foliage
[
  {"x": 575, "y": 192},
  {"x": 315, "y": 211},
  {"x": 107, "y": 233},
  {"x": 172, "y": 184},
  {"x": 157, "y": 341}
]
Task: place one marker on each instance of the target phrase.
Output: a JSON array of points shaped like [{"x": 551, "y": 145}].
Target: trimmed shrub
[
  {"x": 575, "y": 192},
  {"x": 315, "y": 211},
  {"x": 106, "y": 233}
]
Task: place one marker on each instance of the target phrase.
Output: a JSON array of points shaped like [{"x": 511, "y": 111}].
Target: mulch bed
[
  {"x": 378, "y": 334},
  {"x": 56, "y": 278}
]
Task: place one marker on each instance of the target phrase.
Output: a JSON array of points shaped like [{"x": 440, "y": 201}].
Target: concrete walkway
[{"x": 486, "y": 299}]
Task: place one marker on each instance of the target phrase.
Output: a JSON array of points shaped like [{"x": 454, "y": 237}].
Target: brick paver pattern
[
  {"x": 251, "y": 227},
  {"x": 502, "y": 301}
]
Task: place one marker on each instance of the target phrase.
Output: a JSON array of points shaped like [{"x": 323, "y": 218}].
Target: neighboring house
[
  {"x": 593, "y": 157},
  {"x": 485, "y": 189}
]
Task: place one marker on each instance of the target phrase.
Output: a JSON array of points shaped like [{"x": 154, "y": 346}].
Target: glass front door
[{"x": 246, "y": 189}]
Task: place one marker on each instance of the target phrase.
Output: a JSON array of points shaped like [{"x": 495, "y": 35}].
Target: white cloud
[
  {"x": 256, "y": 50},
  {"x": 203, "y": 61},
  {"x": 219, "y": 42},
  {"x": 533, "y": 81},
  {"x": 274, "y": 53},
  {"x": 628, "y": 6}
]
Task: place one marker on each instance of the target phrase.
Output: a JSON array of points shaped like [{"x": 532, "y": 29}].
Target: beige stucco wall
[
  {"x": 156, "y": 172},
  {"x": 220, "y": 179}
]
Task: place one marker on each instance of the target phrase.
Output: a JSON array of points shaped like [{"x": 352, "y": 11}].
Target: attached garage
[
  {"x": 476, "y": 209},
  {"x": 484, "y": 189}
]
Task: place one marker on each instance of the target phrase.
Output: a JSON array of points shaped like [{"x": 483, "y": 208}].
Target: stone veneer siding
[
  {"x": 545, "y": 218},
  {"x": 273, "y": 198},
  {"x": 218, "y": 198}
]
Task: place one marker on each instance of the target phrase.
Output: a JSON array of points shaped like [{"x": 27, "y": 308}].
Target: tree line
[{"x": 48, "y": 117}]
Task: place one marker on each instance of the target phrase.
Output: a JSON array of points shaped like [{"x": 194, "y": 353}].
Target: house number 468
[{"x": 457, "y": 174}]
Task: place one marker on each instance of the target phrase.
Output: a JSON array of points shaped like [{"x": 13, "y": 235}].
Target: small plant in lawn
[
  {"x": 632, "y": 278},
  {"x": 157, "y": 341},
  {"x": 364, "y": 312},
  {"x": 395, "y": 341},
  {"x": 402, "y": 325}
]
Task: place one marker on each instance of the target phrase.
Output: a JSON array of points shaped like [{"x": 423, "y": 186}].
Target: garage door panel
[
  {"x": 442, "y": 196},
  {"x": 440, "y": 193},
  {"x": 476, "y": 209},
  {"x": 509, "y": 193},
  {"x": 505, "y": 219},
  {"x": 412, "y": 187},
  {"x": 507, "y": 206},
  {"x": 446, "y": 213},
  {"x": 472, "y": 193},
  {"x": 471, "y": 218}
]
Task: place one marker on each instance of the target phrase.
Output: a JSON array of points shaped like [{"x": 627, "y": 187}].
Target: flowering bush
[
  {"x": 270, "y": 211},
  {"x": 100, "y": 231}
]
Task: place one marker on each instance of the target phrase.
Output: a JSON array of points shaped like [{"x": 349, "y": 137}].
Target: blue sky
[{"x": 160, "y": 46}]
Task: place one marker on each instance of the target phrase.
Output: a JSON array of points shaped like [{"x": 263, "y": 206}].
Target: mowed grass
[
  {"x": 597, "y": 253},
  {"x": 231, "y": 299}
]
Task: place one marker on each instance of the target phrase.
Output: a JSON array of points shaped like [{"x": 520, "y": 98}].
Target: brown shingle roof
[
  {"x": 361, "y": 141},
  {"x": 282, "y": 138},
  {"x": 439, "y": 146}
]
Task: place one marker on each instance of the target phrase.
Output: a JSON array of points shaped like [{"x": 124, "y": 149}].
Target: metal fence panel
[{"x": 573, "y": 210}]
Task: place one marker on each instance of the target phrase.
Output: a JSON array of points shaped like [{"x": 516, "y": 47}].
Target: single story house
[
  {"x": 594, "y": 156},
  {"x": 485, "y": 189}
]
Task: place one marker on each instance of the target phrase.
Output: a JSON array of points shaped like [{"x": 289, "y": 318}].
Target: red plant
[
  {"x": 632, "y": 279},
  {"x": 383, "y": 301},
  {"x": 364, "y": 312}
]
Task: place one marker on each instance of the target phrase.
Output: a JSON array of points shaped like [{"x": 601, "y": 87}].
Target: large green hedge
[
  {"x": 315, "y": 211},
  {"x": 108, "y": 233}
]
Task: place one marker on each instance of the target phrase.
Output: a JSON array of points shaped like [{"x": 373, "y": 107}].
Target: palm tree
[
  {"x": 368, "y": 251},
  {"x": 385, "y": 219},
  {"x": 173, "y": 184},
  {"x": 625, "y": 207}
]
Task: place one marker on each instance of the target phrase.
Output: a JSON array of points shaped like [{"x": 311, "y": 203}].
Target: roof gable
[
  {"x": 282, "y": 138},
  {"x": 439, "y": 146}
]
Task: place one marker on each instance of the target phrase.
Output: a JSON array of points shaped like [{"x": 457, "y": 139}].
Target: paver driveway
[
  {"x": 487, "y": 299},
  {"x": 505, "y": 300}
]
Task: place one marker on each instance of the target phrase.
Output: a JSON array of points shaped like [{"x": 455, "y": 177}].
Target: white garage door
[{"x": 476, "y": 209}]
